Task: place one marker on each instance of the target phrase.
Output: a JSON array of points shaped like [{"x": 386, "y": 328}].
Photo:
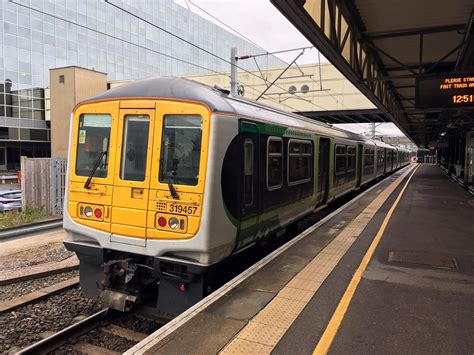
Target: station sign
[{"x": 445, "y": 91}]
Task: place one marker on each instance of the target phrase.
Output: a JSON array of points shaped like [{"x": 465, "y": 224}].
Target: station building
[{"x": 38, "y": 35}]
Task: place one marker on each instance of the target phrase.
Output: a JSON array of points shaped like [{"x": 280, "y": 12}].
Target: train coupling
[
  {"x": 119, "y": 287},
  {"x": 117, "y": 300}
]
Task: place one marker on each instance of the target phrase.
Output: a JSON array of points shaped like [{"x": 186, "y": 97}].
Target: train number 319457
[{"x": 182, "y": 209}]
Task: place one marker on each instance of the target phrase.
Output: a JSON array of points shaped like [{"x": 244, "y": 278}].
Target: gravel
[
  {"x": 22, "y": 288},
  {"x": 106, "y": 340},
  {"x": 138, "y": 324},
  {"x": 48, "y": 253},
  {"x": 22, "y": 326},
  {"x": 110, "y": 341}
]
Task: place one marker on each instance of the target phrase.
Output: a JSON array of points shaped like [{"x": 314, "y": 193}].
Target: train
[{"x": 168, "y": 178}]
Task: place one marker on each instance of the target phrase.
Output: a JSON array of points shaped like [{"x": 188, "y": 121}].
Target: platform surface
[{"x": 414, "y": 295}]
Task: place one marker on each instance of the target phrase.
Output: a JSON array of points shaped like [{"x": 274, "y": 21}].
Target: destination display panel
[{"x": 445, "y": 91}]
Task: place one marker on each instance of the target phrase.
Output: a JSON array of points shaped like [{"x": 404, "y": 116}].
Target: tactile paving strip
[{"x": 266, "y": 329}]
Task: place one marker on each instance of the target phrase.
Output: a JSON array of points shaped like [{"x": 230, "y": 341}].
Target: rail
[
  {"x": 30, "y": 228},
  {"x": 57, "y": 339}
]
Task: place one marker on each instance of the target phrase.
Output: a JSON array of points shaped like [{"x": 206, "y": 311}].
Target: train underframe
[{"x": 122, "y": 280}]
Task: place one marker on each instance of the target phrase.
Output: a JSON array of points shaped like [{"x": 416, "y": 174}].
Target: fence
[{"x": 42, "y": 183}]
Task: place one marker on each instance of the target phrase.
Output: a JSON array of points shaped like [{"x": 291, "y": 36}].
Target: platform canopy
[{"x": 383, "y": 46}]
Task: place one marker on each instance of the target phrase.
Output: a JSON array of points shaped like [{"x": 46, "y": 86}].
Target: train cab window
[
  {"x": 299, "y": 162},
  {"x": 340, "y": 159},
  {"x": 248, "y": 172},
  {"x": 274, "y": 163},
  {"x": 134, "y": 147},
  {"x": 351, "y": 158},
  {"x": 93, "y": 144},
  {"x": 181, "y": 149}
]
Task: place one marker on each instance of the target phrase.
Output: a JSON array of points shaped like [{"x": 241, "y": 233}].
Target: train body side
[{"x": 150, "y": 208}]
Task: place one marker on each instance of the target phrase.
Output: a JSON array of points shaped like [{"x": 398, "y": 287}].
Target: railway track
[
  {"x": 18, "y": 231},
  {"x": 38, "y": 275},
  {"x": 105, "y": 332},
  {"x": 36, "y": 295}
]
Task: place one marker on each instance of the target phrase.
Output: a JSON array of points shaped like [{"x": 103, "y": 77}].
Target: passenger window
[
  {"x": 369, "y": 157},
  {"x": 340, "y": 159},
  {"x": 274, "y": 163},
  {"x": 381, "y": 158},
  {"x": 134, "y": 147},
  {"x": 299, "y": 162},
  {"x": 351, "y": 158},
  {"x": 248, "y": 172}
]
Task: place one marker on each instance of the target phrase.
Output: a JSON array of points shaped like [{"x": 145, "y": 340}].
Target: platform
[{"x": 391, "y": 272}]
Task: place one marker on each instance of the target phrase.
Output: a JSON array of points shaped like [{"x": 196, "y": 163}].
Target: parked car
[{"x": 10, "y": 200}]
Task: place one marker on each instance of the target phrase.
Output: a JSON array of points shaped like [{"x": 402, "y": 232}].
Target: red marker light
[
  {"x": 182, "y": 287},
  {"x": 162, "y": 222},
  {"x": 98, "y": 213}
]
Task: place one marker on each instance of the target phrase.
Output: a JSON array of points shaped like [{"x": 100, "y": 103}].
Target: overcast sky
[{"x": 262, "y": 23}]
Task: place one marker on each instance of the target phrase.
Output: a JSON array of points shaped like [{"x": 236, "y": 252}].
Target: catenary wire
[
  {"x": 204, "y": 50},
  {"x": 224, "y": 24},
  {"x": 114, "y": 37},
  {"x": 158, "y": 52}
]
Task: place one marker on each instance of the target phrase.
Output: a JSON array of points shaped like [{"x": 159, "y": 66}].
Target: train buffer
[{"x": 389, "y": 272}]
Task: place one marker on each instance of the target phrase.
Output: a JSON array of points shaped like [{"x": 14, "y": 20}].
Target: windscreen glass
[
  {"x": 134, "y": 147},
  {"x": 93, "y": 139},
  {"x": 181, "y": 149}
]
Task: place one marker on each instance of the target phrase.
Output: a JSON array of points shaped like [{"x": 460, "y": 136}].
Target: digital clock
[
  {"x": 462, "y": 99},
  {"x": 445, "y": 91}
]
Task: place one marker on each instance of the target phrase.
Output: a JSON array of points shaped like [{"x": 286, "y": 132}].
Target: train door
[
  {"x": 132, "y": 176},
  {"x": 360, "y": 149},
  {"x": 323, "y": 169},
  {"x": 249, "y": 180}
]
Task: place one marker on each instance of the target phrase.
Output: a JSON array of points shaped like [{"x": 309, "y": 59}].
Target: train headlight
[
  {"x": 162, "y": 222},
  {"x": 88, "y": 211},
  {"x": 98, "y": 213},
  {"x": 173, "y": 223}
]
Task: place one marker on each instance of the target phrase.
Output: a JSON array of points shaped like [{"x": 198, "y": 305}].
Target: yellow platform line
[
  {"x": 333, "y": 326},
  {"x": 266, "y": 329}
]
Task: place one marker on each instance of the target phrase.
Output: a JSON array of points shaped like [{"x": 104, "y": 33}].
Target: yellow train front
[
  {"x": 135, "y": 190},
  {"x": 168, "y": 178}
]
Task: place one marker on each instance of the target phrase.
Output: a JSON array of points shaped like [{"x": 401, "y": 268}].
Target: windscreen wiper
[
  {"x": 87, "y": 185},
  {"x": 174, "y": 194}
]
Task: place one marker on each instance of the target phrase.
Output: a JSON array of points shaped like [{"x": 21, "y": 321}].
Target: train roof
[
  {"x": 169, "y": 87},
  {"x": 219, "y": 100}
]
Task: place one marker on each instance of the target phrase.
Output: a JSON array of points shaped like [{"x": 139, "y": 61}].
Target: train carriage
[{"x": 168, "y": 178}]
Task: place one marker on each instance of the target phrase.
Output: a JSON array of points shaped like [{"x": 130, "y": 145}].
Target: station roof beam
[{"x": 383, "y": 46}]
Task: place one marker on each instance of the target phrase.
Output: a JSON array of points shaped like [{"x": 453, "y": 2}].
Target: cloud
[{"x": 258, "y": 20}]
